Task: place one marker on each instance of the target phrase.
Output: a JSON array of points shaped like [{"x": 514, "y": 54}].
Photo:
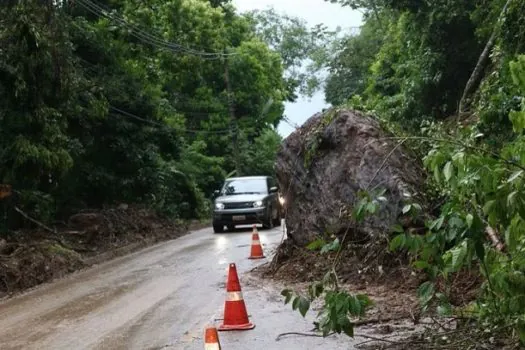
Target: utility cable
[{"x": 147, "y": 37}]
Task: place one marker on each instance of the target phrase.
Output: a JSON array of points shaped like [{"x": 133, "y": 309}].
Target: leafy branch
[{"x": 339, "y": 306}]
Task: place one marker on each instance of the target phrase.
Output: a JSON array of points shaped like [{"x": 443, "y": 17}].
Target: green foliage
[
  {"x": 415, "y": 59},
  {"x": 339, "y": 306},
  {"x": 349, "y": 65},
  {"x": 338, "y": 309},
  {"x": 483, "y": 188},
  {"x": 259, "y": 156},
  {"x": 517, "y": 118},
  {"x": 297, "y": 44},
  {"x": 131, "y": 104}
]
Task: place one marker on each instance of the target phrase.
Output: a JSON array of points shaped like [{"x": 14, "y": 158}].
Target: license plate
[{"x": 239, "y": 218}]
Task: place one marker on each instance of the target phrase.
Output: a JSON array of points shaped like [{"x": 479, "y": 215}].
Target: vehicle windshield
[{"x": 244, "y": 186}]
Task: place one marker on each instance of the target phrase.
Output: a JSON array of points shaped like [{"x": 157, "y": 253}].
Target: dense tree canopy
[
  {"x": 450, "y": 76},
  {"x": 123, "y": 101}
]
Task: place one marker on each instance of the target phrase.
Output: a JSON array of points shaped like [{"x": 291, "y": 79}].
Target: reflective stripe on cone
[
  {"x": 211, "y": 339},
  {"x": 256, "y": 251},
  {"x": 235, "y": 314}
]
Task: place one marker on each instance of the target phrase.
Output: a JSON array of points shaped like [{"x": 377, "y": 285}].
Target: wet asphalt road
[{"x": 162, "y": 297}]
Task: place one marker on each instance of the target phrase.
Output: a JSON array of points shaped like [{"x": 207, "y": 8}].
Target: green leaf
[
  {"x": 426, "y": 291},
  {"x": 514, "y": 176},
  {"x": 447, "y": 171},
  {"x": 470, "y": 219},
  {"x": 407, "y": 208},
  {"x": 458, "y": 255},
  {"x": 304, "y": 306},
  {"x": 317, "y": 244},
  {"x": 398, "y": 229},
  {"x": 348, "y": 329},
  {"x": 364, "y": 300},
  {"x": 488, "y": 206},
  {"x": 287, "y": 293},
  {"x": 420, "y": 264},
  {"x": 455, "y": 222},
  {"x": 437, "y": 175},
  {"x": 295, "y": 303},
  {"x": 444, "y": 309},
  {"x": 511, "y": 199},
  {"x": 417, "y": 206},
  {"x": 480, "y": 250},
  {"x": 438, "y": 223},
  {"x": 333, "y": 246},
  {"x": 398, "y": 242},
  {"x": 518, "y": 121},
  {"x": 340, "y": 303},
  {"x": 371, "y": 208},
  {"x": 354, "y": 306}
]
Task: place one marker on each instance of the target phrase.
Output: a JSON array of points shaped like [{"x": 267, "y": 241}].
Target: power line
[
  {"x": 151, "y": 39},
  {"x": 289, "y": 122},
  {"x": 93, "y": 71},
  {"x": 194, "y": 131},
  {"x": 101, "y": 10},
  {"x": 147, "y": 37}
]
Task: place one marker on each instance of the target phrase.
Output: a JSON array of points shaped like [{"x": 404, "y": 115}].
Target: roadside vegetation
[
  {"x": 126, "y": 104},
  {"x": 448, "y": 79},
  {"x": 113, "y": 107}
]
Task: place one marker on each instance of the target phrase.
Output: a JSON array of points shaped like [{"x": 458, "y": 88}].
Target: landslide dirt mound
[
  {"x": 29, "y": 258},
  {"x": 392, "y": 287}
]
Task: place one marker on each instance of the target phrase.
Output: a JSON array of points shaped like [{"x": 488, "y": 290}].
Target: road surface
[{"x": 162, "y": 297}]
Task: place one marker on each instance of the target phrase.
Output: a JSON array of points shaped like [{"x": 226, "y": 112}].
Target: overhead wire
[
  {"x": 133, "y": 116},
  {"x": 158, "y": 42},
  {"x": 152, "y": 122},
  {"x": 147, "y": 37}
]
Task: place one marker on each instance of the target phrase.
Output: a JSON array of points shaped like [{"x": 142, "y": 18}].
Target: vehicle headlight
[
  {"x": 257, "y": 204},
  {"x": 219, "y": 206}
]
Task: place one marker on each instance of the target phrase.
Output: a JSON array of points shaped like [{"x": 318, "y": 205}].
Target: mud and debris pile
[
  {"x": 32, "y": 257},
  {"x": 323, "y": 166}
]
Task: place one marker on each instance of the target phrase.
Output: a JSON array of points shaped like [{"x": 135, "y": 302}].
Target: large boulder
[{"x": 323, "y": 165}]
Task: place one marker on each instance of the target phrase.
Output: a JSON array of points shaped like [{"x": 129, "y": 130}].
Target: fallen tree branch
[
  {"x": 18, "y": 210},
  {"x": 379, "y": 320},
  {"x": 383, "y": 339},
  {"x": 302, "y": 334}
]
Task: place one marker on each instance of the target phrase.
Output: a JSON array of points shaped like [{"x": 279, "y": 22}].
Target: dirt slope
[{"x": 29, "y": 258}]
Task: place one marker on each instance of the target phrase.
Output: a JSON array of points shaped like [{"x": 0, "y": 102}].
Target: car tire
[
  {"x": 268, "y": 221},
  {"x": 277, "y": 220},
  {"x": 218, "y": 228}
]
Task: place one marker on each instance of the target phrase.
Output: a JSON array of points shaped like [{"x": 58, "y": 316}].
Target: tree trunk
[{"x": 477, "y": 75}]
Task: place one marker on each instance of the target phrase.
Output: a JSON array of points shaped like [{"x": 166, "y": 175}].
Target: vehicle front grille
[{"x": 239, "y": 205}]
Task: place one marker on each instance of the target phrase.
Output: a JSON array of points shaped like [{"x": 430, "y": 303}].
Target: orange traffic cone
[
  {"x": 211, "y": 339},
  {"x": 235, "y": 314},
  {"x": 256, "y": 250}
]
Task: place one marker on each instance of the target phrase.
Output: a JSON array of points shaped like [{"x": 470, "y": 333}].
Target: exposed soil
[
  {"x": 29, "y": 258},
  {"x": 388, "y": 281},
  {"x": 392, "y": 288}
]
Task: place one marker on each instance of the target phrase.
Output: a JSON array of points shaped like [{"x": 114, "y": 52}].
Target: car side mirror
[
  {"x": 273, "y": 190},
  {"x": 216, "y": 193}
]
